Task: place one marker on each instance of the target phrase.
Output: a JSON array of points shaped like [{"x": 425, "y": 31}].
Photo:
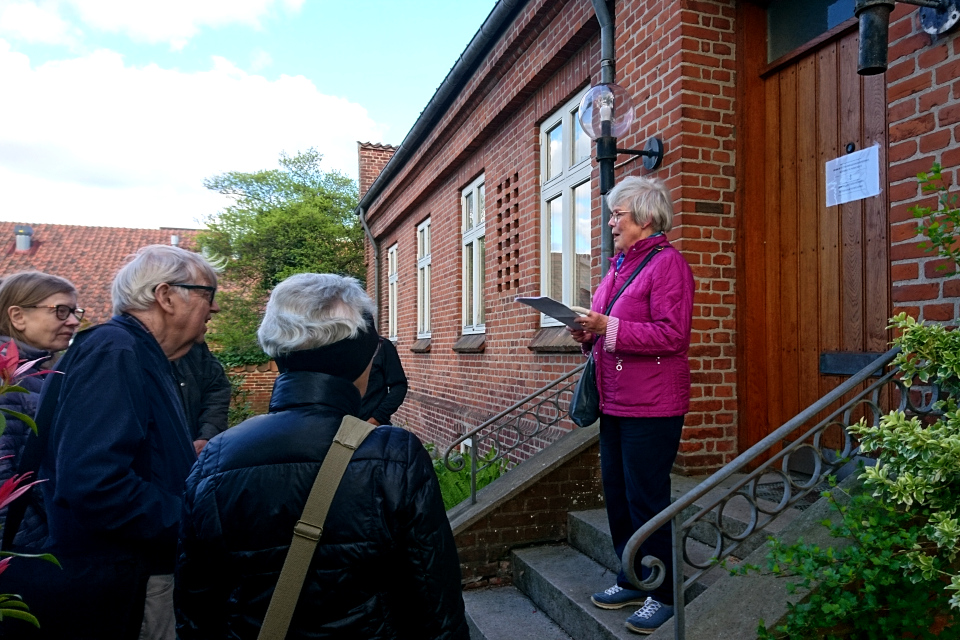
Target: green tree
[{"x": 294, "y": 219}]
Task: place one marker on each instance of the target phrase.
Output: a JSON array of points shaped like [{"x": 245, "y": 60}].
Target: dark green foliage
[
  {"x": 939, "y": 225},
  {"x": 233, "y": 331},
  {"x": 239, "y": 409},
  {"x": 455, "y": 485},
  {"x": 865, "y": 590},
  {"x": 284, "y": 221},
  {"x": 294, "y": 219}
]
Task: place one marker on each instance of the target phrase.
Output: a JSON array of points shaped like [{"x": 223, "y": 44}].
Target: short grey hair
[
  {"x": 648, "y": 199},
  {"x": 311, "y": 310},
  {"x": 134, "y": 284}
]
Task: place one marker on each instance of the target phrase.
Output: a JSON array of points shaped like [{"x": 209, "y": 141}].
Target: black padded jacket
[{"x": 386, "y": 566}]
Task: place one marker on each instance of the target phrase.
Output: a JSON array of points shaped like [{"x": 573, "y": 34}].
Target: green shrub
[
  {"x": 233, "y": 331},
  {"x": 455, "y": 485},
  {"x": 239, "y": 409}
]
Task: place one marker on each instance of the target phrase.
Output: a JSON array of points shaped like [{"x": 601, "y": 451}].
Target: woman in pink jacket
[{"x": 640, "y": 350}]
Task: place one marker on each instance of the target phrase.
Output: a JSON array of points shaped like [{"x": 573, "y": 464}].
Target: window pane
[
  {"x": 481, "y": 204},
  {"x": 468, "y": 211},
  {"x": 581, "y": 143},
  {"x": 581, "y": 266},
  {"x": 555, "y": 216},
  {"x": 791, "y": 24},
  {"x": 468, "y": 284},
  {"x": 554, "y": 152},
  {"x": 481, "y": 269},
  {"x": 426, "y": 296},
  {"x": 426, "y": 240}
]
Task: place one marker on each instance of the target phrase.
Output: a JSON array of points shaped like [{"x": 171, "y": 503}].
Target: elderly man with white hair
[
  {"x": 117, "y": 453},
  {"x": 386, "y": 565}
]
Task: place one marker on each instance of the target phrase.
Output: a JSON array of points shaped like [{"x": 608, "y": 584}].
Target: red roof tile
[{"x": 87, "y": 256}]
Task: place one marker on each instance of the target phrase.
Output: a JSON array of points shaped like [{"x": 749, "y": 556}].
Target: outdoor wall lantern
[
  {"x": 606, "y": 113},
  {"x": 936, "y": 16}
]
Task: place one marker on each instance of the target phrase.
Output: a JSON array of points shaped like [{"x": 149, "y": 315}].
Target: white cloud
[
  {"x": 35, "y": 22},
  {"x": 96, "y": 141},
  {"x": 259, "y": 60},
  {"x": 173, "y": 21}
]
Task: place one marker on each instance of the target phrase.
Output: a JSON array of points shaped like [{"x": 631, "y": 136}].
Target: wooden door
[{"x": 812, "y": 278}]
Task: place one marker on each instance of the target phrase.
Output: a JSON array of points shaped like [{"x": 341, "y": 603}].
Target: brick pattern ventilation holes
[{"x": 508, "y": 235}]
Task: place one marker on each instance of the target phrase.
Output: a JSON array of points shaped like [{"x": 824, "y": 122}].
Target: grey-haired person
[
  {"x": 386, "y": 566},
  {"x": 117, "y": 454}
]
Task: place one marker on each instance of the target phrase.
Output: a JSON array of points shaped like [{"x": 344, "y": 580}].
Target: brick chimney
[{"x": 373, "y": 157}]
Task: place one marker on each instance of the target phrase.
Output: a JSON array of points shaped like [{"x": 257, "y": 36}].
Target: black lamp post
[
  {"x": 606, "y": 113},
  {"x": 936, "y": 17}
]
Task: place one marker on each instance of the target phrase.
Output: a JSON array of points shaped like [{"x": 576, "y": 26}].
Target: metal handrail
[
  {"x": 793, "y": 490},
  {"x": 545, "y": 413}
]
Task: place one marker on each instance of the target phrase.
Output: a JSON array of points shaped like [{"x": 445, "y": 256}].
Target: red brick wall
[
  {"x": 677, "y": 60},
  {"x": 373, "y": 157},
  {"x": 258, "y": 383},
  {"x": 923, "y": 93},
  {"x": 535, "y": 516}
]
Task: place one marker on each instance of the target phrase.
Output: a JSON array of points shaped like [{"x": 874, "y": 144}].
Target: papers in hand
[{"x": 556, "y": 310}]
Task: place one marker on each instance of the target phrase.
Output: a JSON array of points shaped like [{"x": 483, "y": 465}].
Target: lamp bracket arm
[{"x": 940, "y": 5}]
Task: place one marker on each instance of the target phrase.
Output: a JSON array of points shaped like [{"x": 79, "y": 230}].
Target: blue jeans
[{"x": 636, "y": 456}]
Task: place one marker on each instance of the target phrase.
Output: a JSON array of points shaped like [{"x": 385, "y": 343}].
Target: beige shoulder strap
[{"x": 307, "y": 532}]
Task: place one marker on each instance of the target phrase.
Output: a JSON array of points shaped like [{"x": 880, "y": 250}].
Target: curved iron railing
[
  {"x": 826, "y": 461},
  {"x": 517, "y": 432}
]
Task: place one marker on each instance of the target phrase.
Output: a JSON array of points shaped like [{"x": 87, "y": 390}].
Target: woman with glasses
[
  {"x": 38, "y": 312},
  {"x": 639, "y": 346}
]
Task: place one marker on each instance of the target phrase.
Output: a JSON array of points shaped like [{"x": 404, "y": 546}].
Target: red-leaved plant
[{"x": 11, "y": 372}]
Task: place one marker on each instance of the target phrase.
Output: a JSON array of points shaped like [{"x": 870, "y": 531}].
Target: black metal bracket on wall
[{"x": 652, "y": 153}]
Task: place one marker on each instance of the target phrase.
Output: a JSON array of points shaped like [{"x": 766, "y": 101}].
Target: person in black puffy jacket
[{"x": 386, "y": 566}]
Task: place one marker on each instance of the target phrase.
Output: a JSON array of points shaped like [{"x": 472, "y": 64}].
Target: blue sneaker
[
  {"x": 616, "y": 597},
  {"x": 649, "y": 617}
]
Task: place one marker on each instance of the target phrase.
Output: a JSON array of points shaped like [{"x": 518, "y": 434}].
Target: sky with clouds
[{"x": 114, "y": 111}]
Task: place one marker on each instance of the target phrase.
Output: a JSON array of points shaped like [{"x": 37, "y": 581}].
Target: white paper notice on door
[{"x": 854, "y": 176}]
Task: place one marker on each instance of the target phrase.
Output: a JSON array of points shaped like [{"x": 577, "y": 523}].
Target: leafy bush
[
  {"x": 239, "y": 409},
  {"x": 233, "y": 331},
  {"x": 938, "y": 225},
  {"x": 455, "y": 485}
]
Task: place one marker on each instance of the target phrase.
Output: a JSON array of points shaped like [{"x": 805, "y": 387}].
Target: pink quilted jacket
[{"x": 642, "y": 367}]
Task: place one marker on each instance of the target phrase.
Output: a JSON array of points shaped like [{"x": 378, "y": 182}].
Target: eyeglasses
[
  {"x": 202, "y": 287},
  {"x": 61, "y": 310},
  {"x": 616, "y": 214}
]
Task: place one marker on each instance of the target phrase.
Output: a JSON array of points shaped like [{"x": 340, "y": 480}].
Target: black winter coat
[{"x": 386, "y": 566}]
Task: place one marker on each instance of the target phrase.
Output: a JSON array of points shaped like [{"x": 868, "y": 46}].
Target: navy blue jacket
[
  {"x": 386, "y": 567},
  {"x": 119, "y": 449}
]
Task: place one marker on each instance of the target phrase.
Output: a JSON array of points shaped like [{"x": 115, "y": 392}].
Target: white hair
[
  {"x": 311, "y": 310},
  {"x": 134, "y": 284},
  {"x": 647, "y": 199}
]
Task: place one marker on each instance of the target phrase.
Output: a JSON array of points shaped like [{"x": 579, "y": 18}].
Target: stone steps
[
  {"x": 553, "y": 583},
  {"x": 505, "y": 613}
]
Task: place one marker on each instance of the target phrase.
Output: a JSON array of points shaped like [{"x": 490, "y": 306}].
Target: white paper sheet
[
  {"x": 554, "y": 309},
  {"x": 854, "y": 176}
]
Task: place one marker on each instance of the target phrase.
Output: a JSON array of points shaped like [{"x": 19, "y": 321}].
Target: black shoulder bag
[{"x": 585, "y": 403}]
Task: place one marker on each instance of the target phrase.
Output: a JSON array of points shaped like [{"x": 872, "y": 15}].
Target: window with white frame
[
  {"x": 423, "y": 279},
  {"x": 565, "y": 202},
  {"x": 474, "y": 278},
  {"x": 392, "y": 279}
]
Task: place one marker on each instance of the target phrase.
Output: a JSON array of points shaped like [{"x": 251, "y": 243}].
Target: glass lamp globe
[{"x": 606, "y": 103}]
